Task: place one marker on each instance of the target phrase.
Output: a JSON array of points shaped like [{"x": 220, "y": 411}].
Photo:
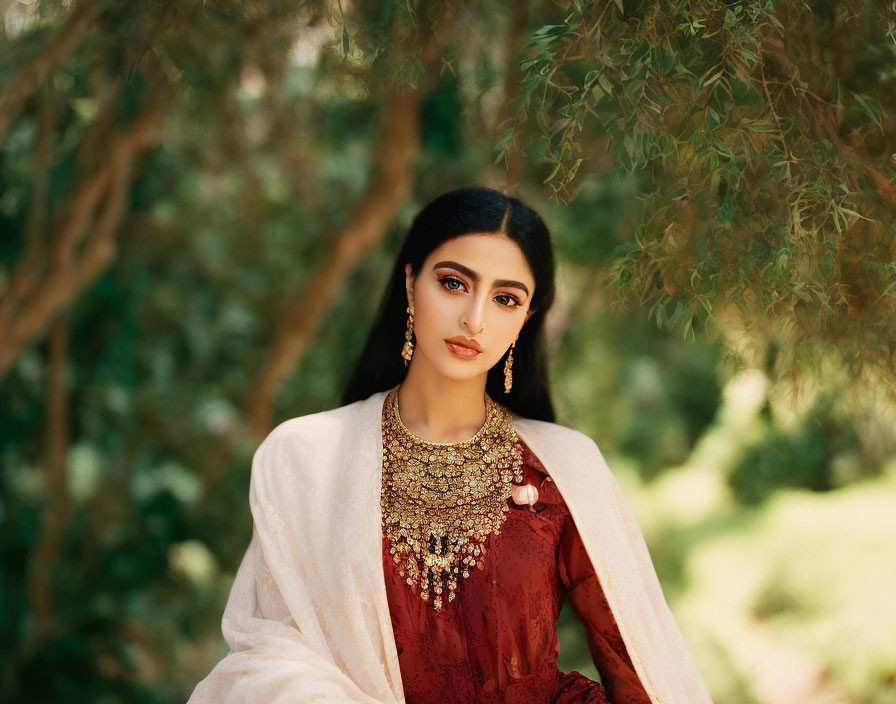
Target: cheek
[
  {"x": 502, "y": 328},
  {"x": 505, "y": 325},
  {"x": 503, "y": 336},
  {"x": 432, "y": 312}
]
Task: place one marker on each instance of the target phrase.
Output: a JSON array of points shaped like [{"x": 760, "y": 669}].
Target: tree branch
[
  {"x": 13, "y": 97},
  {"x": 78, "y": 205},
  {"x": 57, "y": 508},
  {"x": 35, "y": 226},
  {"x": 72, "y": 269},
  {"x": 395, "y": 156}
]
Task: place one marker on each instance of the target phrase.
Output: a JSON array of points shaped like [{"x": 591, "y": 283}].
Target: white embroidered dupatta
[{"x": 308, "y": 620}]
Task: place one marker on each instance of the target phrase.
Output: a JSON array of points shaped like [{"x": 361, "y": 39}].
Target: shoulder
[
  {"x": 313, "y": 426},
  {"x": 298, "y": 444},
  {"x": 565, "y": 451},
  {"x": 555, "y": 433}
]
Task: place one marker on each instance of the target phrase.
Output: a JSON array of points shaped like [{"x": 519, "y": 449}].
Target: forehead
[{"x": 491, "y": 255}]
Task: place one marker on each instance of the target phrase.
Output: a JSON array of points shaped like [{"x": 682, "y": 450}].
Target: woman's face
[{"x": 476, "y": 289}]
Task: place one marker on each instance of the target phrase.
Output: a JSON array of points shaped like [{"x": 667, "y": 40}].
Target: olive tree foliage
[
  {"x": 761, "y": 135},
  {"x": 764, "y": 133},
  {"x": 86, "y": 88}
]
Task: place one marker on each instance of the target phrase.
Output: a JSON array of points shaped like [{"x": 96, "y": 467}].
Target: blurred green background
[{"x": 200, "y": 203}]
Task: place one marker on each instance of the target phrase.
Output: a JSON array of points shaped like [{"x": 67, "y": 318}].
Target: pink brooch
[{"x": 525, "y": 494}]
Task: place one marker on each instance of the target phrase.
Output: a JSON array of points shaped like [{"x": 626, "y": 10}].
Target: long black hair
[{"x": 461, "y": 212}]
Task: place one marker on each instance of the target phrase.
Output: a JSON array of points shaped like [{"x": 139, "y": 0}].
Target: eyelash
[{"x": 503, "y": 295}]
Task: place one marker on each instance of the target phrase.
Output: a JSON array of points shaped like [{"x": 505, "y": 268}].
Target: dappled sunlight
[
  {"x": 808, "y": 577},
  {"x": 787, "y": 602},
  {"x": 695, "y": 491},
  {"x": 195, "y": 561}
]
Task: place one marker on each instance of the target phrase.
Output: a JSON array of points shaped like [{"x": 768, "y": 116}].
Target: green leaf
[
  {"x": 749, "y": 57},
  {"x": 546, "y": 29},
  {"x": 872, "y": 108},
  {"x": 676, "y": 314},
  {"x": 345, "y": 42}
]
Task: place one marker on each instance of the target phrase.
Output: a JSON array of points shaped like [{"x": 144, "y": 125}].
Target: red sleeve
[{"x": 608, "y": 652}]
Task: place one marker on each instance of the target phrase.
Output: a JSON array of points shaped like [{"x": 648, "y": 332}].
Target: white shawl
[{"x": 307, "y": 619}]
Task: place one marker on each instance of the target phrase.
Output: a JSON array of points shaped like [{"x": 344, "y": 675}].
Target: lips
[
  {"x": 464, "y": 342},
  {"x": 461, "y": 350}
]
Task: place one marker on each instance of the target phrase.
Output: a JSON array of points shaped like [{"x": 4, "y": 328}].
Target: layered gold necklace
[{"x": 441, "y": 501}]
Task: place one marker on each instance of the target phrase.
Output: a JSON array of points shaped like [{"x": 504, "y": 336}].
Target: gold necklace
[{"x": 441, "y": 501}]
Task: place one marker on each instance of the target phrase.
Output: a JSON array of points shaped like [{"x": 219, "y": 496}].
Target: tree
[{"x": 192, "y": 192}]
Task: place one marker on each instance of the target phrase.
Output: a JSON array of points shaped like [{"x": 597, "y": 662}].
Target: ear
[
  {"x": 409, "y": 285},
  {"x": 528, "y": 313}
]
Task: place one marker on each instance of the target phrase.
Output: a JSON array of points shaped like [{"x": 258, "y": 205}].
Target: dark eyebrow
[{"x": 499, "y": 283}]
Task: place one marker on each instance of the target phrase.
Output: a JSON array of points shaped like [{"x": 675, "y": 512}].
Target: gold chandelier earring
[
  {"x": 407, "y": 351},
  {"x": 508, "y": 369}
]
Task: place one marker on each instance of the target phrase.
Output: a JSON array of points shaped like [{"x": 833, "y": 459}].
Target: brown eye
[{"x": 511, "y": 301}]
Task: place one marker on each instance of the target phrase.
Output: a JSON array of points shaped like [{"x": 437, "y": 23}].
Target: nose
[{"x": 473, "y": 316}]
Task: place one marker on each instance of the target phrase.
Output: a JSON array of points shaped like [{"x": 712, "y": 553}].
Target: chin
[
  {"x": 456, "y": 369},
  {"x": 456, "y": 372}
]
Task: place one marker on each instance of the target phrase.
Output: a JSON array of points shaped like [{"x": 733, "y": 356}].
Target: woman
[{"x": 416, "y": 543}]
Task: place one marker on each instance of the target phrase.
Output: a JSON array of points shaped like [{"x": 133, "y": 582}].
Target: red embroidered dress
[{"x": 496, "y": 642}]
